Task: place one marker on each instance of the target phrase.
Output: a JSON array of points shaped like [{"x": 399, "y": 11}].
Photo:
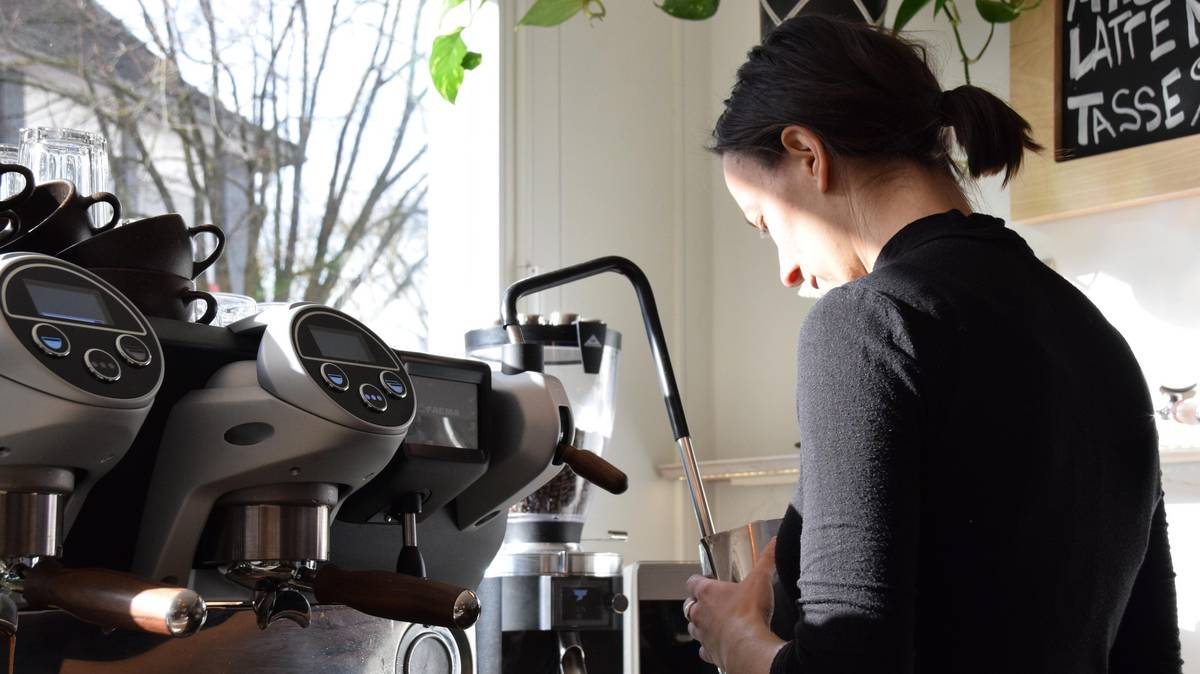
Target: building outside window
[{"x": 310, "y": 132}]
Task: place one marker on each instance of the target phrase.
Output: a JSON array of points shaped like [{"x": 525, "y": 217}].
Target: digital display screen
[
  {"x": 582, "y": 606},
  {"x": 341, "y": 344},
  {"x": 447, "y": 414},
  {"x": 68, "y": 302}
]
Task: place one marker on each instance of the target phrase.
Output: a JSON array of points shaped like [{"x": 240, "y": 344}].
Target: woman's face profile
[{"x": 791, "y": 202}]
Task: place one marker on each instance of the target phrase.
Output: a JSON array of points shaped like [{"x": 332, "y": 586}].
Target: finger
[
  {"x": 697, "y": 585},
  {"x": 688, "y": 605},
  {"x": 765, "y": 564}
]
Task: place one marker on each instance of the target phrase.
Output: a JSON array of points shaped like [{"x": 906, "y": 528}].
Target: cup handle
[
  {"x": 10, "y": 227},
  {"x": 110, "y": 199},
  {"x": 25, "y": 191},
  {"x": 189, "y": 296},
  {"x": 198, "y": 267}
]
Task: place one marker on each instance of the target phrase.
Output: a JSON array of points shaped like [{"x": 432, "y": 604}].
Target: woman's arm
[
  {"x": 861, "y": 413},
  {"x": 1148, "y": 639},
  {"x": 860, "y": 416}
]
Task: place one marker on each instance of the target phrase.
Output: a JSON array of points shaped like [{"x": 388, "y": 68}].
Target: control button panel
[
  {"x": 354, "y": 367},
  {"x": 133, "y": 350},
  {"x": 583, "y": 602},
  {"x": 80, "y": 330},
  {"x": 373, "y": 398},
  {"x": 101, "y": 365},
  {"x": 393, "y": 384},
  {"x": 51, "y": 340},
  {"x": 335, "y": 377}
]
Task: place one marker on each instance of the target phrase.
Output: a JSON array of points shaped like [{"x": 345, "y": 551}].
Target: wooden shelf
[{"x": 753, "y": 470}]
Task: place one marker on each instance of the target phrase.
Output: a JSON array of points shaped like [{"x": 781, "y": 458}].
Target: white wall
[{"x": 610, "y": 121}]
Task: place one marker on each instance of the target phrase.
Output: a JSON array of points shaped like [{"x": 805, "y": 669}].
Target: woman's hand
[{"x": 731, "y": 620}]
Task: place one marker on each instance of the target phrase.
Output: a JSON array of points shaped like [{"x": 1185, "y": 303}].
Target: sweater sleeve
[
  {"x": 860, "y": 413},
  {"x": 1148, "y": 639}
]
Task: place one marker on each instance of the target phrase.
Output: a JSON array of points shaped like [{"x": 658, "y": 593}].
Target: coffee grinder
[
  {"x": 724, "y": 555},
  {"x": 79, "y": 370},
  {"x": 553, "y": 606}
]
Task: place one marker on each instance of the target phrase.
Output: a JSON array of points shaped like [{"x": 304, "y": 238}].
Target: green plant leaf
[
  {"x": 938, "y": 6},
  {"x": 548, "y": 13},
  {"x": 994, "y": 11},
  {"x": 451, "y": 4},
  {"x": 472, "y": 60},
  {"x": 446, "y": 63},
  {"x": 595, "y": 9},
  {"x": 908, "y": 9},
  {"x": 693, "y": 10}
]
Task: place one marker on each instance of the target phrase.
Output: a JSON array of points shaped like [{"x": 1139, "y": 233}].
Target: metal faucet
[{"x": 1178, "y": 406}]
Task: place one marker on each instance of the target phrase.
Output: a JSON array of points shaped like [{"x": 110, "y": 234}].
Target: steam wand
[{"x": 518, "y": 356}]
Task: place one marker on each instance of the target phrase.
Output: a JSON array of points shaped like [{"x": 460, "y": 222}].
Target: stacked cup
[{"x": 152, "y": 262}]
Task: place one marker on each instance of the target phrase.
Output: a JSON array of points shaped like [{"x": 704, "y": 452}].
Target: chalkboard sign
[
  {"x": 774, "y": 12},
  {"x": 1129, "y": 74}
]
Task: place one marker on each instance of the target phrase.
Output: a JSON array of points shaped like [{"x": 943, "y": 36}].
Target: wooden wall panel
[{"x": 1047, "y": 189}]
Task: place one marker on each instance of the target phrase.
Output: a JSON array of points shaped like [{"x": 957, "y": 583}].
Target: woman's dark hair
[{"x": 866, "y": 93}]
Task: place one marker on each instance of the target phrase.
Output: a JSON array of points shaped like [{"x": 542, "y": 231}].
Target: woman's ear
[{"x": 803, "y": 147}]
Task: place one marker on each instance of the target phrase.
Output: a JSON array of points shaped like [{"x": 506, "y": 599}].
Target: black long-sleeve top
[{"x": 980, "y": 487}]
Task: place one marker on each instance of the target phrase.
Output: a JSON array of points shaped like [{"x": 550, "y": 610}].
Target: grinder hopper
[{"x": 583, "y": 355}]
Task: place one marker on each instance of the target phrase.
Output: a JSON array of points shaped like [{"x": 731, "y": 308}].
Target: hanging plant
[
  {"x": 992, "y": 11},
  {"x": 450, "y": 58}
]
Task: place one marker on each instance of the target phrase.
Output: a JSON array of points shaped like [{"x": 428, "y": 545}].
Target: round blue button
[{"x": 393, "y": 383}]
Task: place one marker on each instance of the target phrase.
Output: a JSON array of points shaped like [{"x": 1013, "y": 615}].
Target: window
[{"x": 308, "y": 131}]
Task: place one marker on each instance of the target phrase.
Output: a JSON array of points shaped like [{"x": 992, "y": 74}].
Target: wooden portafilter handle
[
  {"x": 396, "y": 596},
  {"x": 594, "y": 469},
  {"x": 114, "y": 599}
]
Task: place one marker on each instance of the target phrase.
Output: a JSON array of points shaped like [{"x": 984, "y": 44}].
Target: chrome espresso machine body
[{"x": 79, "y": 371}]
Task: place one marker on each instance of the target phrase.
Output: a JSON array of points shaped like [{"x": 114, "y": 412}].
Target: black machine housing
[{"x": 363, "y": 536}]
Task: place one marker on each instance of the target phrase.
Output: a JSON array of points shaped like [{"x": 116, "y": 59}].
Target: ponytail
[{"x": 992, "y": 135}]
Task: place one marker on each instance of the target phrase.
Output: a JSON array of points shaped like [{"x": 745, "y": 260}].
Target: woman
[{"x": 979, "y": 489}]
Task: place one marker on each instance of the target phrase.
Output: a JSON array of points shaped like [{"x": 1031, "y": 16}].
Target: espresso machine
[
  {"x": 553, "y": 605},
  {"x": 252, "y": 444},
  {"x": 79, "y": 372},
  {"x": 253, "y": 467}
]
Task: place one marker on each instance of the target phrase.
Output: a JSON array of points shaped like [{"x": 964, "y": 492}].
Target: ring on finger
[{"x": 687, "y": 608}]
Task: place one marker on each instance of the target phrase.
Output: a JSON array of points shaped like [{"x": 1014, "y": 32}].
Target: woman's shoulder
[
  {"x": 865, "y": 303},
  {"x": 869, "y": 317}
]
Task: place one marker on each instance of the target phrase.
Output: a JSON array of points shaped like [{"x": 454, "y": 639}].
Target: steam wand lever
[
  {"x": 410, "y": 562},
  {"x": 592, "y": 468}
]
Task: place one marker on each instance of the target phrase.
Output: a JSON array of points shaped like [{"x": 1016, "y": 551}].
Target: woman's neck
[{"x": 887, "y": 204}]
